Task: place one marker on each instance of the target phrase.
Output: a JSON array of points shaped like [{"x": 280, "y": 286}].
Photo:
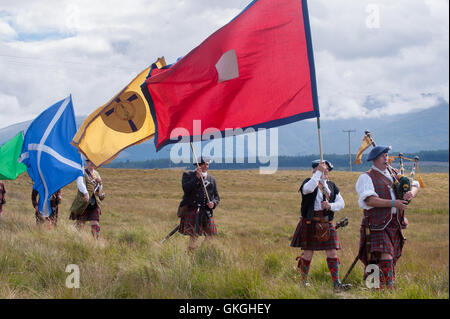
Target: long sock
[
  {"x": 95, "y": 230},
  {"x": 192, "y": 245},
  {"x": 387, "y": 270},
  {"x": 333, "y": 266},
  {"x": 303, "y": 265}
]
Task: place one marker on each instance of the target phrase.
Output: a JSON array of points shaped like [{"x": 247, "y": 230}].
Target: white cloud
[
  {"x": 404, "y": 58},
  {"x": 11, "y": 105},
  {"x": 6, "y": 32},
  {"x": 92, "y": 49}
]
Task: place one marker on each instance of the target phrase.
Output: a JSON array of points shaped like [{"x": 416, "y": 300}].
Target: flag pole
[
  {"x": 320, "y": 139},
  {"x": 324, "y": 199},
  {"x": 196, "y": 162}
]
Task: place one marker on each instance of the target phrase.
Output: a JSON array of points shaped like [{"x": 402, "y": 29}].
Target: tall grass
[{"x": 250, "y": 258}]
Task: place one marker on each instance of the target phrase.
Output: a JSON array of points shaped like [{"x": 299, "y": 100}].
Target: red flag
[{"x": 256, "y": 71}]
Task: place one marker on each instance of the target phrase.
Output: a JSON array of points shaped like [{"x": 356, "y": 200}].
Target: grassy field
[{"x": 250, "y": 258}]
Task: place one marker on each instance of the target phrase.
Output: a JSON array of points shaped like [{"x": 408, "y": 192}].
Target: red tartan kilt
[
  {"x": 389, "y": 241},
  {"x": 300, "y": 238},
  {"x": 187, "y": 225},
  {"x": 88, "y": 215}
]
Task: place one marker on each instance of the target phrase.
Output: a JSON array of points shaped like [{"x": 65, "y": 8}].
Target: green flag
[{"x": 9, "y": 153}]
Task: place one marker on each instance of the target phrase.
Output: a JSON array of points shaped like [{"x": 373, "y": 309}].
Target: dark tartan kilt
[
  {"x": 300, "y": 238},
  {"x": 90, "y": 213},
  {"x": 389, "y": 241},
  {"x": 187, "y": 225}
]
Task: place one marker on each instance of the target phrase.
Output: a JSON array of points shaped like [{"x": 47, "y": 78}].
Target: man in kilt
[
  {"x": 2, "y": 197},
  {"x": 315, "y": 230},
  {"x": 381, "y": 237},
  {"x": 55, "y": 200},
  {"x": 87, "y": 203},
  {"x": 195, "y": 210}
]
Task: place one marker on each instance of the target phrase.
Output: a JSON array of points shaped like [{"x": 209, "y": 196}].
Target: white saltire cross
[{"x": 41, "y": 147}]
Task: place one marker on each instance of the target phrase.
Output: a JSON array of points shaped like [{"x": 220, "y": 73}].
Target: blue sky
[{"x": 373, "y": 58}]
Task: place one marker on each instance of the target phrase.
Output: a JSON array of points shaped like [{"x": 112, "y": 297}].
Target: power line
[
  {"x": 28, "y": 61},
  {"x": 349, "y": 151}
]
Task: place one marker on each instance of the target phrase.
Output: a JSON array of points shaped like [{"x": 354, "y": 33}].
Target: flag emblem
[
  {"x": 126, "y": 113},
  {"x": 227, "y": 66}
]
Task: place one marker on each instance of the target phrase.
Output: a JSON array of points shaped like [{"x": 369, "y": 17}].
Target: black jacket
[
  {"x": 194, "y": 194},
  {"x": 307, "y": 207}
]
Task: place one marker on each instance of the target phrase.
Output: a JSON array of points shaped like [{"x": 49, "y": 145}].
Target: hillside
[{"x": 425, "y": 130}]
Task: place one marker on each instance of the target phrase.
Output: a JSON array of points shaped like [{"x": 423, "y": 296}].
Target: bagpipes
[
  {"x": 402, "y": 183},
  {"x": 413, "y": 170}
]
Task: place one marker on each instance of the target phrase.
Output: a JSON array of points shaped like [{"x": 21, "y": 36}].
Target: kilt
[
  {"x": 90, "y": 213},
  {"x": 300, "y": 238},
  {"x": 187, "y": 225},
  {"x": 389, "y": 241}
]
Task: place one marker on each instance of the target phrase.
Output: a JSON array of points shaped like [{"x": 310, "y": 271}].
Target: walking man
[
  {"x": 195, "y": 210},
  {"x": 315, "y": 230},
  {"x": 55, "y": 200},
  {"x": 381, "y": 237},
  {"x": 87, "y": 203}
]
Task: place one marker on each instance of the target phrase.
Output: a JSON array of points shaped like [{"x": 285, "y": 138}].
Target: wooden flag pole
[
  {"x": 321, "y": 160},
  {"x": 320, "y": 139},
  {"x": 203, "y": 181}
]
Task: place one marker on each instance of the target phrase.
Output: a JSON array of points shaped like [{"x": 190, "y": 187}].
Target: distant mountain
[
  {"x": 417, "y": 131},
  {"x": 11, "y": 131},
  {"x": 140, "y": 152},
  {"x": 413, "y": 132}
]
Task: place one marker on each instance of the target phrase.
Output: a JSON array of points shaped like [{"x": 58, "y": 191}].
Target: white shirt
[
  {"x": 311, "y": 185},
  {"x": 82, "y": 187},
  {"x": 80, "y": 184},
  {"x": 204, "y": 174},
  {"x": 365, "y": 188}
]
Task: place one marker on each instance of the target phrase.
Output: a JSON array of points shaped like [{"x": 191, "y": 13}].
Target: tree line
[{"x": 340, "y": 162}]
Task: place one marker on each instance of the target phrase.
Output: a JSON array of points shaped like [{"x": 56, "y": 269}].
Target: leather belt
[{"x": 318, "y": 217}]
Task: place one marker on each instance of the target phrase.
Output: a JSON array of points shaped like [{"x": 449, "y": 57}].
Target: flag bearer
[
  {"x": 87, "y": 203},
  {"x": 315, "y": 230},
  {"x": 196, "y": 211}
]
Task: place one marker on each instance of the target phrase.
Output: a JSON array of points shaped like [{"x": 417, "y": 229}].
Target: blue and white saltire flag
[{"x": 52, "y": 162}]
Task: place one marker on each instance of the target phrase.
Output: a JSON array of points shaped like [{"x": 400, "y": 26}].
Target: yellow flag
[
  {"x": 366, "y": 142},
  {"x": 419, "y": 177},
  {"x": 122, "y": 122}
]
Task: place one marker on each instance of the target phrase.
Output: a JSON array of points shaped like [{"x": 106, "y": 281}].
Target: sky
[{"x": 373, "y": 58}]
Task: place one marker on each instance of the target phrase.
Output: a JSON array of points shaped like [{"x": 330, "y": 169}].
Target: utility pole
[{"x": 349, "y": 151}]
